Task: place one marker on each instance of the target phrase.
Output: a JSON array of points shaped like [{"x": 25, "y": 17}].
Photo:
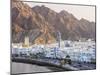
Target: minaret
[
  {"x": 59, "y": 38},
  {"x": 26, "y": 41}
]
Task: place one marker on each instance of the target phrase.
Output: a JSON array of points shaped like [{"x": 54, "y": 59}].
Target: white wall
[{"x": 5, "y": 37}]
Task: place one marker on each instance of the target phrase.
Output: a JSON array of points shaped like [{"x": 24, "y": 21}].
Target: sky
[{"x": 79, "y": 11}]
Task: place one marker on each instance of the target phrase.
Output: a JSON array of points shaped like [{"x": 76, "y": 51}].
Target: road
[{"x": 31, "y": 68}]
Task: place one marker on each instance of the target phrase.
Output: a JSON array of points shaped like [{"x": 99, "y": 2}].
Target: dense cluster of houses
[{"x": 77, "y": 50}]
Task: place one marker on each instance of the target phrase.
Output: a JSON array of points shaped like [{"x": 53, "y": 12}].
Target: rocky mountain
[
  {"x": 26, "y": 22},
  {"x": 67, "y": 24},
  {"x": 41, "y": 24}
]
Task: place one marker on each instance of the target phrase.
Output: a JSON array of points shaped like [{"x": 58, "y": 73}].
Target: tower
[
  {"x": 59, "y": 38},
  {"x": 26, "y": 41}
]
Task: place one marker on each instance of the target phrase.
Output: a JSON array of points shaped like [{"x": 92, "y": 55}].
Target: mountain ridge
[{"x": 46, "y": 22}]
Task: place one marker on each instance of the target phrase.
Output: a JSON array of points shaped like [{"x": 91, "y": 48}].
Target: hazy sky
[{"x": 86, "y": 12}]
